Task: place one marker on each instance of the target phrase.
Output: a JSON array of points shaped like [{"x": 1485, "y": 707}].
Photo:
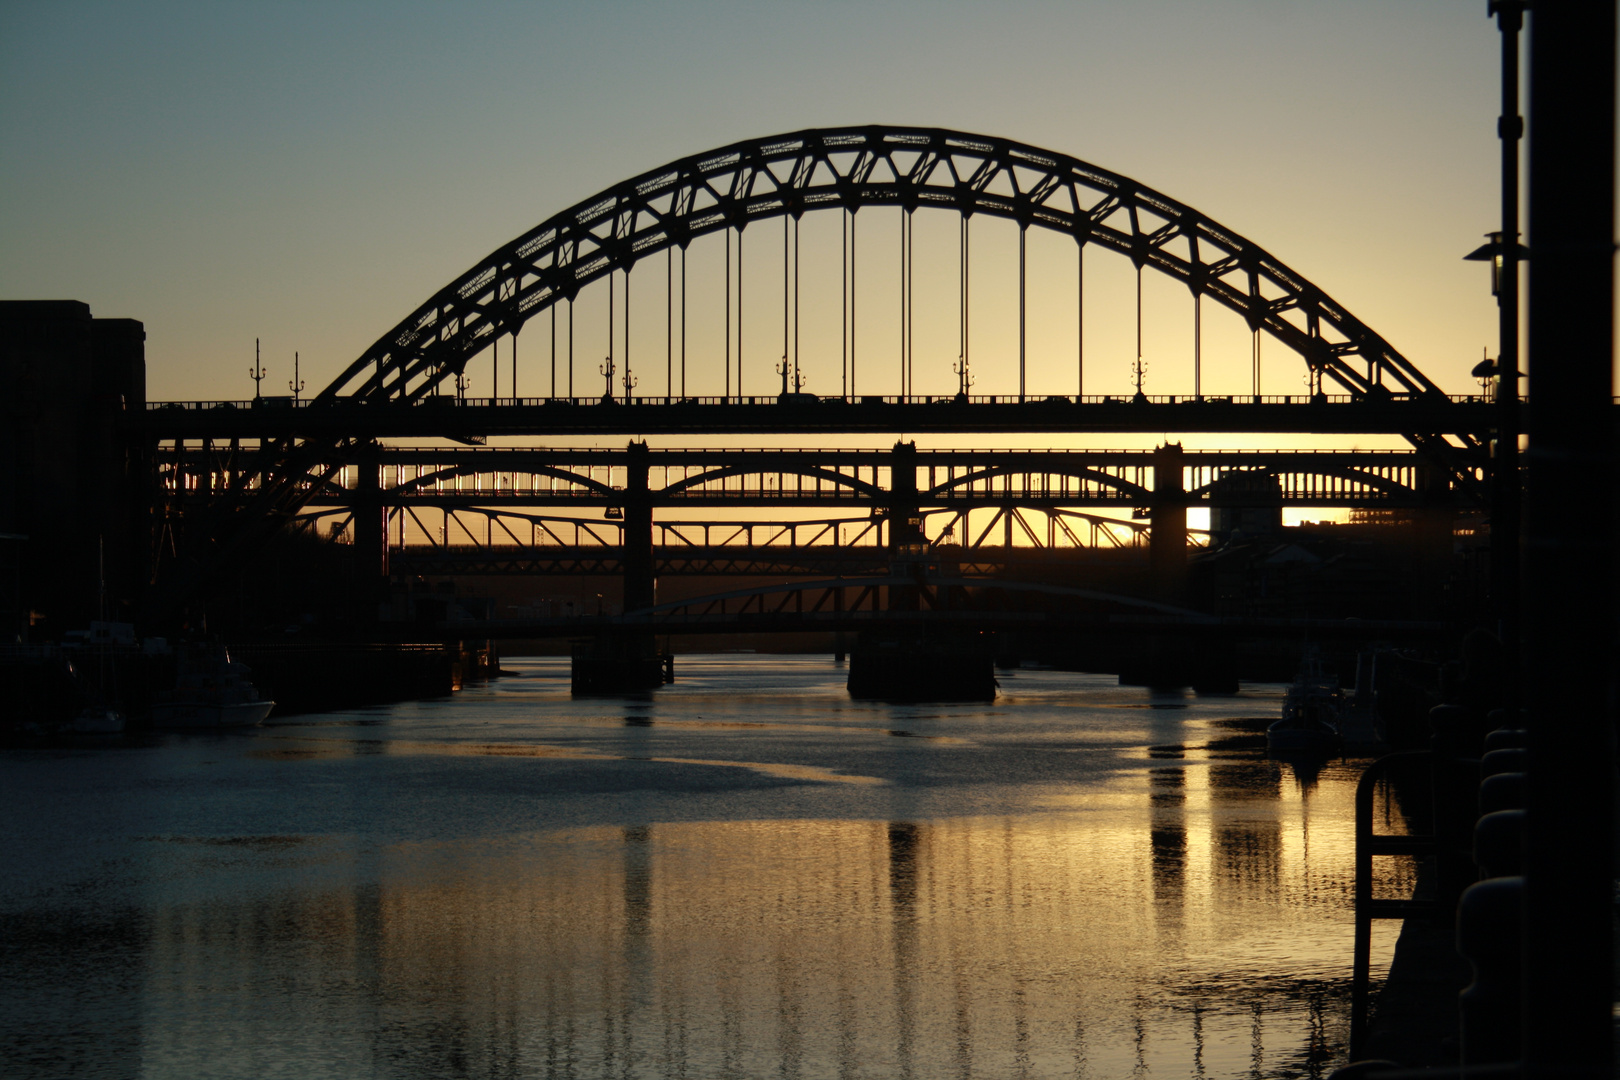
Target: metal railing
[
  {"x": 275, "y": 404},
  {"x": 1367, "y": 908}
]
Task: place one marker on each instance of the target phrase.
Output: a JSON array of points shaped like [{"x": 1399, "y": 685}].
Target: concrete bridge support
[
  {"x": 370, "y": 572},
  {"x": 1167, "y": 539},
  {"x": 931, "y": 665},
  {"x": 640, "y": 581},
  {"x": 628, "y": 661}
]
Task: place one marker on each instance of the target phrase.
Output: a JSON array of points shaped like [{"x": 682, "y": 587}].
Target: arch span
[{"x": 851, "y": 168}]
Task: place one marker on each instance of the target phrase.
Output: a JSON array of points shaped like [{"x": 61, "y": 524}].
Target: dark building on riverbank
[{"x": 70, "y": 506}]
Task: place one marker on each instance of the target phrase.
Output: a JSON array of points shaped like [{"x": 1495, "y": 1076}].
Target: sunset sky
[{"x": 309, "y": 173}]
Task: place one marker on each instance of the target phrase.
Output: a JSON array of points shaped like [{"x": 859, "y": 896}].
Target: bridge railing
[{"x": 277, "y": 404}]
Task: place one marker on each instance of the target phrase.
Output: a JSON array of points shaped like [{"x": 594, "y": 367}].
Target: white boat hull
[{"x": 205, "y": 714}]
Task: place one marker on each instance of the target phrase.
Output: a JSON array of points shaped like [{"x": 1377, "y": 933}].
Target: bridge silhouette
[{"x": 226, "y": 475}]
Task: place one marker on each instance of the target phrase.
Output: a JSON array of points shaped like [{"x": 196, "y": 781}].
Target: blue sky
[{"x": 308, "y": 173}]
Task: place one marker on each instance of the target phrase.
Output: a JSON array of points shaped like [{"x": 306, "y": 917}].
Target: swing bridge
[{"x": 409, "y": 453}]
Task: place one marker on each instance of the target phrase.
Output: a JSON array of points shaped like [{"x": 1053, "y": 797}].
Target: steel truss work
[
  {"x": 852, "y": 168},
  {"x": 323, "y": 453},
  {"x": 482, "y": 510},
  {"x": 451, "y": 477}
]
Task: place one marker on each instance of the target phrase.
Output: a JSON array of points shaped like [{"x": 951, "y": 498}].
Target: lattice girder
[{"x": 852, "y": 168}]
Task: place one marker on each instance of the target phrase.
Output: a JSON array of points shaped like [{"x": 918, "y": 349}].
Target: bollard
[
  {"x": 1499, "y": 843},
  {"x": 1488, "y": 937},
  {"x": 1504, "y": 791},
  {"x": 1456, "y": 741},
  {"x": 1505, "y": 760},
  {"x": 1506, "y": 739}
]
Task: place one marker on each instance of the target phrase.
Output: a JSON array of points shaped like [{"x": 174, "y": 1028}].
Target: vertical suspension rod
[
  {"x": 1023, "y": 338},
  {"x": 796, "y": 301},
  {"x": 1080, "y": 321},
  {"x": 1198, "y": 345},
  {"x": 669, "y": 323},
  {"x": 683, "y": 320},
  {"x": 728, "y": 310}
]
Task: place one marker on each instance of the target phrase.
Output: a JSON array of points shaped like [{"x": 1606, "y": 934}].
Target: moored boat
[
  {"x": 1313, "y": 709},
  {"x": 211, "y": 691}
]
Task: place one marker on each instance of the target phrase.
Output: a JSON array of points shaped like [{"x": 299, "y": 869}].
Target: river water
[{"x": 745, "y": 874}]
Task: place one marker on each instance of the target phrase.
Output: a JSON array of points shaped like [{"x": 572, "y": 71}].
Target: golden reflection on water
[
  {"x": 1140, "y": 908},
  {"x": 1184, "y": 920}
]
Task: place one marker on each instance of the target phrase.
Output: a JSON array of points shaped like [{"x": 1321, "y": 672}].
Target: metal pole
[
  {"x": 1023, "y": 233},
  {"x": 728, "y": 312},
  {"x": 669, "y": 322},
  {"x": 1198, "y": 345},
  {"x": 1569, "y": 575},
  {"x": 785, "y": 276},
  {"x": 1505, "y": 508},
  {"x": 967, "y": 288},
  {"x": 683, "y": 320},
  {"x": 1080, "y": 321},
  {"x": 795, "y": 299}
]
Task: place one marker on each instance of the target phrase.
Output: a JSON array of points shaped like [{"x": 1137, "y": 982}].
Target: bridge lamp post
[{"x": 256, "y": 372}]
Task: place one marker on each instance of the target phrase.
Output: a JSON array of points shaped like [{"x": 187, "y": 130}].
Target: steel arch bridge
[
  {"x": 851, "y": 168},
  {"x": 297, "y": 453}
]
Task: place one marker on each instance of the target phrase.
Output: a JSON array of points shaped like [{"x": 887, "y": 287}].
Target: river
[{"x": 744, "y": 874}]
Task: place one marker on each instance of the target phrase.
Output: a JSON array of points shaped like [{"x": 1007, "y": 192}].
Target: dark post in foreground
[{"x": 1569, "y": 647}]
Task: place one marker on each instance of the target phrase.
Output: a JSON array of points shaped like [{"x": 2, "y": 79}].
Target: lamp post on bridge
[{"x": 256, "y": 372}]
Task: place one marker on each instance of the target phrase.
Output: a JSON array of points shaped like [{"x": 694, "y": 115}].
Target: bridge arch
[
  {"x": 851, "y": 168},
  {"x": 1125, "y": 487},
  {"x": 713, "y": 475},
  {"x": 1382, "y": 484},
  {"x": 453, "y": 471}
]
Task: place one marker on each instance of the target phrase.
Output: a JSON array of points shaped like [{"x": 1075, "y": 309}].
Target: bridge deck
[{"x": 480, "y": 418}]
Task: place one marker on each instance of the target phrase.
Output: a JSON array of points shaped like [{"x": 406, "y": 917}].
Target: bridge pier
[
  {"x": 370, "y": 567},
  {"x": 922, "y": 665},
  {"x": 906, "y": 543},
  {"x": 622, "y": 661},
  {"x": 640, "y": 578},
  {"x": 1167, "y": 521}
]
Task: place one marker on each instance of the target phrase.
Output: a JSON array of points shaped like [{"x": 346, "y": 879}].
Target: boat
[
  {"x": 97, "y": 720},
  {"x": 211, "y": 691},
  {"x": 1313, "y": 709}
]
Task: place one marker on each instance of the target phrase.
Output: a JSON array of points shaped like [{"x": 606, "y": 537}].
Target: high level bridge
[{"x": 226, "y": 474}]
